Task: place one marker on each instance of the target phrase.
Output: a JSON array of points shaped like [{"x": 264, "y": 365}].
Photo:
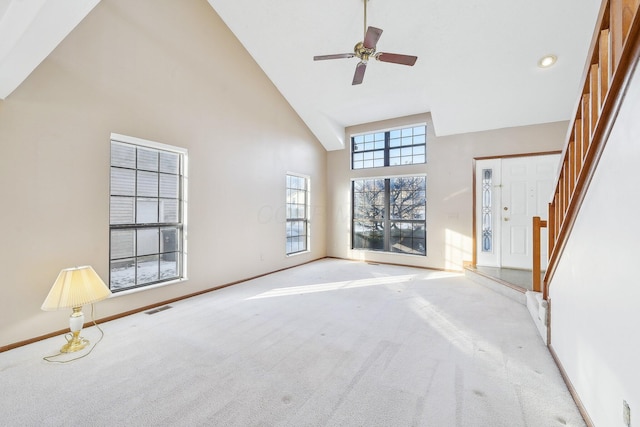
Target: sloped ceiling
[
  {"x": 30, "y": 30},
  {"x": 476, "y": 70}
]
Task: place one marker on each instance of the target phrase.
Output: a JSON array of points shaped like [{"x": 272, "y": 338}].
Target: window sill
[
  {"x": 371, "y": 251},
  {"x": 298, "y": 253},
  {"x": 145, "y": 288}
]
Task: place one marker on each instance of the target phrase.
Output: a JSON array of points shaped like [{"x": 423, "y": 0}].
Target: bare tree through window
[{"x": 389, "y": 214}]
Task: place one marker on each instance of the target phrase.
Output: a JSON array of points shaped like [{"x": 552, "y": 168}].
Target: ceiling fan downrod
[{"x": 365, "y": 19}]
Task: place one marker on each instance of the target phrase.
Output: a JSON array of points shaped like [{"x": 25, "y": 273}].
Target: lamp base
[{"x": 75, "y": 343}]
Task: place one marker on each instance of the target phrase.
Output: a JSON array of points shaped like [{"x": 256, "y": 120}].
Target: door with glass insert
[{"x": 509, "y": 193}]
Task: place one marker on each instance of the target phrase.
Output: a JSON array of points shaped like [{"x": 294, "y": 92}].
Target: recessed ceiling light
[{"x": 547, "y": 61}]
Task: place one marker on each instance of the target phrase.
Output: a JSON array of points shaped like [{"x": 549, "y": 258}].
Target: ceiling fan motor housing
[{"x": 363, "y": 52}]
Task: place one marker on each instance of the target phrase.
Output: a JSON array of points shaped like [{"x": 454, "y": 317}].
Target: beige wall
[
  {"x": 167, "y": 71},
  {"x": 449, "y": 172}
]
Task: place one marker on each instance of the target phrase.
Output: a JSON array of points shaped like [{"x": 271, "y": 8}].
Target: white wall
[
  {"x": 162, "y": 70},
  {"x": 449, "y": 172},
  {"x": 595, "y": 290}
]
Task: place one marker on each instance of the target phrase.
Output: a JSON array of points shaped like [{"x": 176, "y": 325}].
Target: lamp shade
[{"x": 75, "y": 287}]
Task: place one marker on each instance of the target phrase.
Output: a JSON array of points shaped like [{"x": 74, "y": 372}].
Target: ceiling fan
[{"x": 366, "y": 49}]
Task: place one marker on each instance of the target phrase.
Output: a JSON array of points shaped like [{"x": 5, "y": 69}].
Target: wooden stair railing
[
  {"x": 536, "y": 271},
  {"x": 613, "y": 57}
]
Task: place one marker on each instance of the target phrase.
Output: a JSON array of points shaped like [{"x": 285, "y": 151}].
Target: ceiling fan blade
[
  {"x": 335, "y": 56},
  {"x": 359, "y": 74},
  {"x": 371, "y": 37},
  {"x": 396, "y": 58}
]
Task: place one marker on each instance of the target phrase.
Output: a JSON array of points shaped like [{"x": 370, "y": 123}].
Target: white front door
[{"x": 520, "y": 189}]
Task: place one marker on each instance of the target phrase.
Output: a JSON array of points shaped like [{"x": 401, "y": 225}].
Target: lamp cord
[{"x": 67, "y": 337}]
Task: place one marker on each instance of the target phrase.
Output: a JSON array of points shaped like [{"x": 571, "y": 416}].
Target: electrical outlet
[{"x": 626, "y": 413}]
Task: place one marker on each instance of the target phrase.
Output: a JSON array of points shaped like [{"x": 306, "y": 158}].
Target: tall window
[
  {"x": 389, "y": 214},
  {"x": 147, "y": 213},
  {"x": 297, "y": 214},
  {"x": 396, "y": 147}
]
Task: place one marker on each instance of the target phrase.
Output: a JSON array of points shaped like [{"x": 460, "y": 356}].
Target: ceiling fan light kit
[{"x": 366, "y": 49}]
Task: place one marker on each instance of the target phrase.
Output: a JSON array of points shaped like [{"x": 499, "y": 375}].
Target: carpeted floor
[{"x": 331, "y": 343}]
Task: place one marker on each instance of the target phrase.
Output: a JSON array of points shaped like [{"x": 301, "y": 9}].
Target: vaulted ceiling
[{"x": 477, "y": 65}]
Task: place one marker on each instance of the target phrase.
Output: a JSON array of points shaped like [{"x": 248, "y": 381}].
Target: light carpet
[{"x": 330, "y": 343}]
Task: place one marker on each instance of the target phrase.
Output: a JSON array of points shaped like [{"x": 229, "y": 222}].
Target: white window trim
[
  {"x": 308, "y": 179},
  {"x": 384, "y": 176},
  {"x": 425, "y": 124},
  {"x": 375, "y": 130},
  {"x": 185, "y": 187}
]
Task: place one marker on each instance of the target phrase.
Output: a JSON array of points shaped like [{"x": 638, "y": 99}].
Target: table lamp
[{"x": 74, "y": 288}]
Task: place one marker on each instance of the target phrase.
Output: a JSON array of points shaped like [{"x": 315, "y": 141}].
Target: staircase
[{"x": 595, "y": 354}]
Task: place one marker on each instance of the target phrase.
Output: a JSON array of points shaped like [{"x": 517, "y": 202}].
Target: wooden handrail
[
  {"x": 614, "y": 55},
  {"x": 536, "y": 272}
]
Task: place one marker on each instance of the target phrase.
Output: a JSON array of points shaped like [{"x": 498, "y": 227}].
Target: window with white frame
[
  {"x": 406, "y": 146},
  {"x": 147, "y": 213},
  {"x": 389, "y": 214},
  {"x": 297, "y": 207}
]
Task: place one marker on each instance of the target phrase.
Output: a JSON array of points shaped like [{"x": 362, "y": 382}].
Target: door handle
[{"x": 506, "y": 219}]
